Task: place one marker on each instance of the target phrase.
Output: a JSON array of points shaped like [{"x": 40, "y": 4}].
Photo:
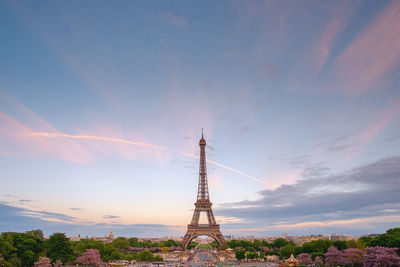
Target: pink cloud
[
  {"x": 315, "y": 58},
  {"x": 339, "y": 19},
  {"x": 369, "y": 60}
]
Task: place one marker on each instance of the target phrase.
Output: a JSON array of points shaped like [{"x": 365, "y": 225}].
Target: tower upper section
[{"x": 202, "y": 193}]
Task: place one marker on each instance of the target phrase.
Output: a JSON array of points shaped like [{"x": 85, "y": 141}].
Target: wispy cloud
[
  {"x": 369, "y": 61},
  {"x": 338, "y": 21},
  {"x": 111, "y": 217},
  {"x": 25, "y": 200}
]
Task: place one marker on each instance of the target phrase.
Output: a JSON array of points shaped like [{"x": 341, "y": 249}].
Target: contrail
[{"x": 124, "y": 141}]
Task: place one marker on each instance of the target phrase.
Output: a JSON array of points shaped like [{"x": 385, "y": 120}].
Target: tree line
[
  {"x": 384, "y": 247},
  {"x": 24, "y": 249}
]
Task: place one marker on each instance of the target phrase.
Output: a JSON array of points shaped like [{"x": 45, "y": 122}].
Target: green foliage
[
  {"x": 240, "y": 254},
  {"x": 257, "y": 244},
  {"x": 286, "y": 251},
  {"x": 340, "y": 245},
  {"x": 109, "y": 253},
  {"x": 192, "y": 244},
  {"x": 316, "y": 254},
  {"x": 278, "y": 243},
  {"x": 120, "y": 243},
  {"x": 317, "y": 246},
  {"x": 214, "y": 244},
  {"x": 80, "y": 246},
  {"x": 158, "y": 258},
  {"x": 144, "y": 255},
  {"x": 21, "y": 249},
  {"x": 298, "y": 250},
  {"x": 133, "y": 242},
  {"x": 389, "y": 239},
  {"x": 168, "y": 243},
  {"x": 251, "y": 255},
  {"x": 36, "y": 234},
  {"x": 59, "y": 248}
]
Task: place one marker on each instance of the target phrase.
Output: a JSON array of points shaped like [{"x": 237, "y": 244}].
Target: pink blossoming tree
[
  {"x": 381, "y": 257},
  {"x": 304, "y": 259},
  {"x": 91, "y": 257},
  {"x": 354, "y": 256},
  {"x": 334, "y": 257},
  {"x": 318, "y": 261}
]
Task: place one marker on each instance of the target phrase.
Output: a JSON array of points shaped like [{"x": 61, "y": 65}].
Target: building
[
  {"x": 336, "y": 237},
  {"x": 300, "y": 240},
  {"x": 76, "y": 238},
  {"x": 104, "y": 239}
]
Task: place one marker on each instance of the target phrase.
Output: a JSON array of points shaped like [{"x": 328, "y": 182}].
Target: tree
[
  {"x": 80, "y": 246},
  {"x": 304, "y": 259},
  {"x": 390, "y": 239},
  {"x": 256, "y": 244},
  {"x": 20, "y": 248},
  {"x": 121, "y": 243},
  {"x": 334, "y": 257},
  {"x": 145, "y": 255},
  {"x": 318, "y": 261},
  {"x": 351, "y": 243},
  {"x": 158, "y": 258},
  {"x": 298, "y": 250},
  {"x": 107, "y": 253},
  {"x": 9, "y": 252},
  {"x": 278, "y": 243},
  {"x": 37, "y": 234},
  {"x": 59, "y": 248},
  {"x": 43, "y": 262},
  {"x": 251, "y": 255},
  {"x": 133, "y": 242},
  {"x": 90, "y": 258},
  {"x": 286, "y": 251},
  {"x": 240, "y": 254},
  {"x": 381, "y": 257},
  {"x": 317, "y": 246},
  {"x": 354, "y": 256},
  {"x": 340, "y": 244}
]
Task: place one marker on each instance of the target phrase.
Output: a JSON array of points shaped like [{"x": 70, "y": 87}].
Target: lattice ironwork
[{"x": 203, "y": 204}]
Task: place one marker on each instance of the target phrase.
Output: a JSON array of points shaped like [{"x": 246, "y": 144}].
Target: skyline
[{"x": 102, "y": 106}]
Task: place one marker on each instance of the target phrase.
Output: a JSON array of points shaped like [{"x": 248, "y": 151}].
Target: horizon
[{"x": 102, "y": 106}]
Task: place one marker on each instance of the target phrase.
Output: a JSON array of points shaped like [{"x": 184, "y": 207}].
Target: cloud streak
[{"x": 128, "y": 142}]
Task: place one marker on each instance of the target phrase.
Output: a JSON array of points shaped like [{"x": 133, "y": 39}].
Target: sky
[{"x": 102, "y": 105}]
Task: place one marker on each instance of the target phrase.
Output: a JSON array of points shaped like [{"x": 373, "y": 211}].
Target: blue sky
[{"x": 102, "y": 105}]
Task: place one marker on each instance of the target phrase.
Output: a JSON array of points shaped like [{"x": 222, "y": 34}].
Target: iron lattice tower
[{"x": 203, "y": 204}]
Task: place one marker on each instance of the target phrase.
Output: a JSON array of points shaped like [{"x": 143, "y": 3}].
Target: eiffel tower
[{"x": 203, "y": 204}]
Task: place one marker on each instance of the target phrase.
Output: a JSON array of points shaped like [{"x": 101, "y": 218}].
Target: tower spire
[{"x": 202, "y": 193}]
